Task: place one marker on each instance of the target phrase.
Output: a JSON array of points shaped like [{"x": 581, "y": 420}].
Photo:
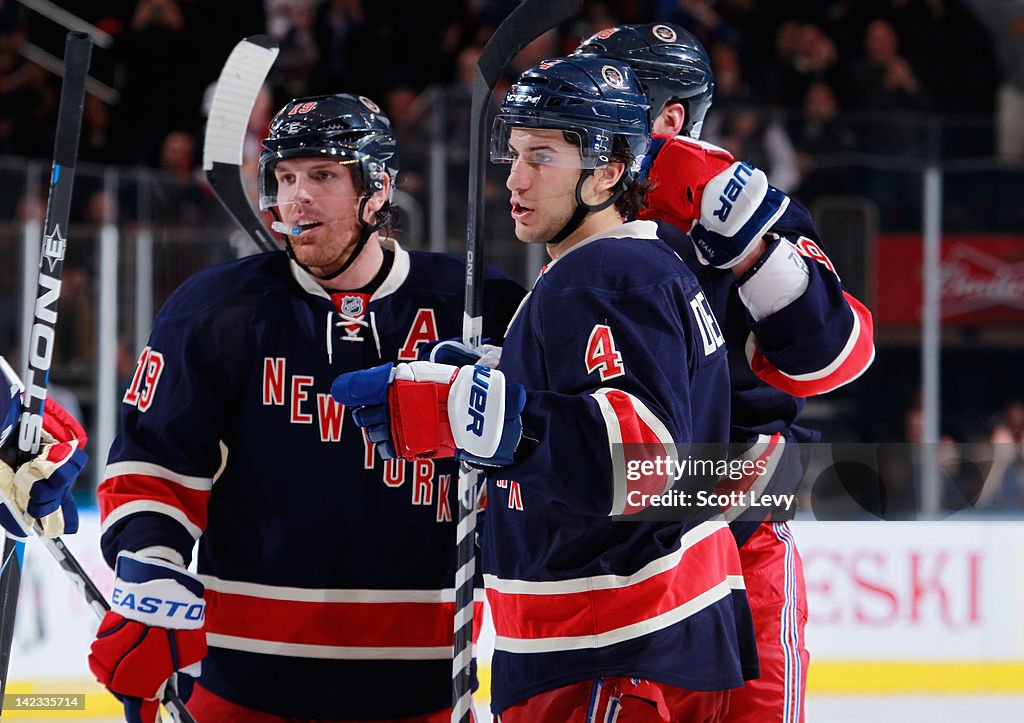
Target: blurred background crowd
[{"x": 842, "y": 103}]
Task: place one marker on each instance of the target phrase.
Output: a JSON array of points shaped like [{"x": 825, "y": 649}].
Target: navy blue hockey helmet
[
  {"x": 670, "y": 62},
  {"x": 342, "y": 126},
  {"x": 594, "y": 100}
]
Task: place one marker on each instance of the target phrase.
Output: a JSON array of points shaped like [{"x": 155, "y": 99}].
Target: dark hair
[{"x": 632, "y": 199}]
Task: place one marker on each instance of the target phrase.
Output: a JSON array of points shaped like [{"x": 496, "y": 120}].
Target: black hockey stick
[
  {"x": 77, "y": 52},
  {"x": 237, "y": 87},
  {"x": 528, "y": 21}
]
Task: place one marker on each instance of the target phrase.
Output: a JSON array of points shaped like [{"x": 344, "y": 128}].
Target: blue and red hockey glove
[
  {"x": 39, "y": 489},
  {"x": 727, "y": 206},
  {"x": 424, "y": 410},
  {"x": 154, "y": 629}
]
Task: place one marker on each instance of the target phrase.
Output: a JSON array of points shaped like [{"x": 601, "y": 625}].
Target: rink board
[{"x": 894, "y": 608}]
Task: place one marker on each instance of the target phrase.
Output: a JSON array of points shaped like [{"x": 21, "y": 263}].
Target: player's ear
[
  {"x": 670, "y": 120},
  {"x": 379, "y": 198},
  {"x": 608, "y": 175}
]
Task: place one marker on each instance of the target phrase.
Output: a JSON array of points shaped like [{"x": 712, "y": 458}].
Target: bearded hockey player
[{"x": 324, "y": 575}]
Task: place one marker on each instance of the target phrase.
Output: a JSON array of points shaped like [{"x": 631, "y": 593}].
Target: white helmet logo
[
  {"x": 613, "y": 77},
  {"x": 374, "y": 108},
  {"x": 664, "y": 33}
]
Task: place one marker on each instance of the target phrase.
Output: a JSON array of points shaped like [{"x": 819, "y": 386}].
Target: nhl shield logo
[
  {"x": 352, "y": 306},
  {"x": 664, "y": 33},
  {"x": 613, "y": 77}
]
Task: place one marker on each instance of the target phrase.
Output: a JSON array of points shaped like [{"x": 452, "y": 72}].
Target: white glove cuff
[
  {"x": 778, "y": 280},
  {"x": 155, "y": 592}
]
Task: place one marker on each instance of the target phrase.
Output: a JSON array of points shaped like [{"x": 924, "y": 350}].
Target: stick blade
[{"x": 233, "y": 98}]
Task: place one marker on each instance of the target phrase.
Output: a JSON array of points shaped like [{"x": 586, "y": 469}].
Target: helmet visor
[
  {"x": 545, "y": 144},
  {"x": 290, "y": 180}
]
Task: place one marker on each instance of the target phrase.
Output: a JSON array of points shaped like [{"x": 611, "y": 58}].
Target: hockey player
[
  {"x": 324, "y": 575},
  {"x": 40, "y": 488},
  {"x": 791, "y": 328},
  {"x": 595, "y": 617}
]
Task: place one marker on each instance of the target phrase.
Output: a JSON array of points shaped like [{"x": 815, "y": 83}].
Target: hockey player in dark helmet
[
  {"x": 670, "y": 62},
  {"x": 608, "y": 354},
  {"x": 772, "y": 285},
  {"x": 344, "y": 146},
  {"x": 309, "y": 549},
  {"x": 593, "y": 125}
]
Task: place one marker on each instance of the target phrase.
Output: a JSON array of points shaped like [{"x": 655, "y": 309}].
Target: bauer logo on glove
[{"x": 738, "y": 208}]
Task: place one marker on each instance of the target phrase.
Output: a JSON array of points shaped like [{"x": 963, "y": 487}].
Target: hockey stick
[
  {"x": 528, "y": 21},
  {"x": 237, "y": 87},
  {"x": 77, "y": 52}
]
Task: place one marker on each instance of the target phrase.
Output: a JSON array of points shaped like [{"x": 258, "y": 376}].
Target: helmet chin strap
[
  {"x": 365, "y": 231},
  {"x": 583, "y": 208}
]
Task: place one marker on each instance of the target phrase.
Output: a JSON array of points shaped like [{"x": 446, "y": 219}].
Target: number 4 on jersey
[{"x": 602, "y": 356}]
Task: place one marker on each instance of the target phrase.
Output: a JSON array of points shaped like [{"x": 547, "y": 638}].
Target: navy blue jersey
[
  {"x": 328, "y": 572},
  {"x": 819, "y": 341},
  {"x": 616, "y": 345}
]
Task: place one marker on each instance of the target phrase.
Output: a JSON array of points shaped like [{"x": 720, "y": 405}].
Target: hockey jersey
[
  {"x": 328, "y": 572},
  {"x": 820, "y": 341},
  {"x": 623, "y": 362}
]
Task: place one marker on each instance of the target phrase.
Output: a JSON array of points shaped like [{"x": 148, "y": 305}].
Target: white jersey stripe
[{"x": 327, "y": 652}]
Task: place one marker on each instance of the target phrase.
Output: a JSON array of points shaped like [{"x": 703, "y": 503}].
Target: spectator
[
  {"x": 159, "y": 92},
  {"x": 821, "y": 130},
  {"x": 883, "y": 79},
  {"x": 1004, "y": 487},
  {"x": 743, "y": 132},
  {"x": 806, "y": 55},
  {"x": 1004, "y": 20}
]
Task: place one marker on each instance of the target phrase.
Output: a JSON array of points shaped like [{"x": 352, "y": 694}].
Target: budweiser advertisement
[{"x": 982, "y": 279}]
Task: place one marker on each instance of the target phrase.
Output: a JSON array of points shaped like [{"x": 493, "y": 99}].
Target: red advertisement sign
[{"x": 982, "y": 279}]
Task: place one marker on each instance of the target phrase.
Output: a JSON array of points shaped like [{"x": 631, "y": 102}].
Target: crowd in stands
[{"x": 830, "y": 71}]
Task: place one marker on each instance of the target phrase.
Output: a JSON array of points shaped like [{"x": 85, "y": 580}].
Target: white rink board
[
  {"x": 914, "y": 591},
  {"x": 942, "y": 591},
  {"x": 55, "y": 627}
]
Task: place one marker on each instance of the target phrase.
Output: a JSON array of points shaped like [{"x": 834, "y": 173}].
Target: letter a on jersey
[
  {"x": 424, "y": 329},
  {"x": 602, "y": 356}
]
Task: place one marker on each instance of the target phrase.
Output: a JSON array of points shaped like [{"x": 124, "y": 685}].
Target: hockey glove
[
  {"x": 425, "y": 410},
  {"x": 678, "y": 170},
  {"x": 40, "y": 489},
  {"x": 736, "y": 211},
  {"x": 454, "y": 352},
  {"x": 153, "y": 629}
]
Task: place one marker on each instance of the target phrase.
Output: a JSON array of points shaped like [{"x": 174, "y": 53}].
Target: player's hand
[
  {"x": 153, "y": 629},
  {"x": 425, "y": 410},
  {"x": 678, "y": 170},
  {"x": 40, "y": 489},
  {"x": 737, "y": 210},
  {"x": 454, "y": 352}
]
